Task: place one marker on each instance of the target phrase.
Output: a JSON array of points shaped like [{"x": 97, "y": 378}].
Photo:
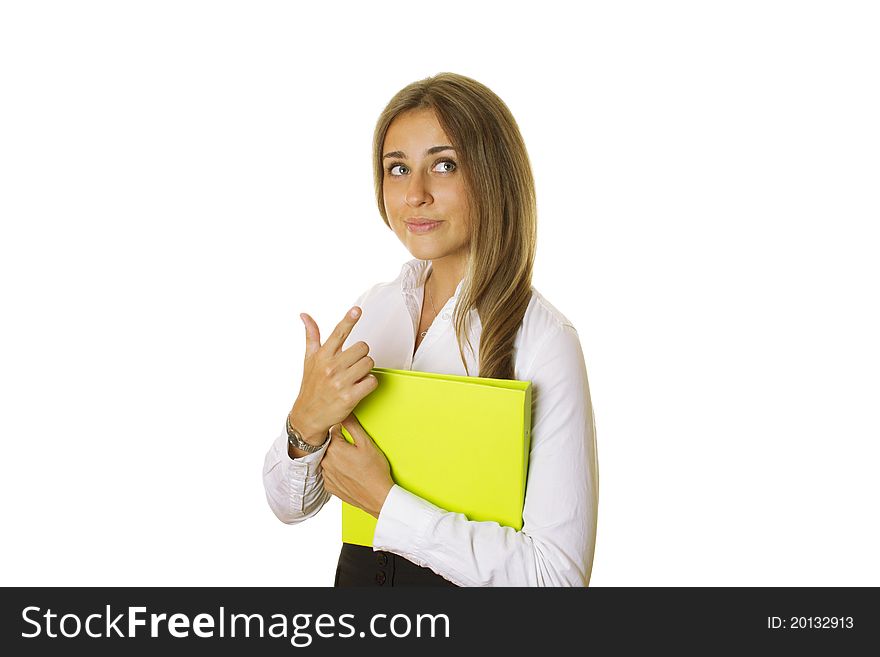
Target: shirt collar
[{"x": 413, "y": 275}]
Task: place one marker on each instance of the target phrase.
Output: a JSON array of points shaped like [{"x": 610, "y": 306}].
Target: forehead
[{"x": 414, "y": 131}]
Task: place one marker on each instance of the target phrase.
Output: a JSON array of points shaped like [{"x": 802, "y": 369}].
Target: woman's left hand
[{"x": 356, "y": 473}]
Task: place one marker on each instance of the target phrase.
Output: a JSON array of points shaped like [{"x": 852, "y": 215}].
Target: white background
[{"x": 179, "y": 180}]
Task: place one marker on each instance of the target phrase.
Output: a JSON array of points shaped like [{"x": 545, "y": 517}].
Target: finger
[
  {"x": 355, "y": 430},
  {"x": 336, "y": 437},
  {"x": 347, "y": 424},
  {"x": 353, "y": 354},
  {"x": 365, "y": 386},
  {"x": 340, "y": 333},
  {"x": 313, "y": 334},
  {"x": 358, "y": 370}
]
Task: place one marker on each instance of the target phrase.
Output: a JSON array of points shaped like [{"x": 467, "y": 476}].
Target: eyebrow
[{"x": 430, "y": 151}]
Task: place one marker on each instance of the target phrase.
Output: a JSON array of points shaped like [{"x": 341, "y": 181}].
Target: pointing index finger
[{"x": 342, "y": 330}]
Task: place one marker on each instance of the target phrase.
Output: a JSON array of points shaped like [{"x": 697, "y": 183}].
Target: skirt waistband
[{"x": 361, "y": 566}]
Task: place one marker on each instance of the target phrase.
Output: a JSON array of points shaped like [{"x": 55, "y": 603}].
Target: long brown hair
[{"x": 501, "y": 195}]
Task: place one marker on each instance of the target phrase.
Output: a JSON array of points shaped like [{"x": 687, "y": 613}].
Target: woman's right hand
[{"x": 333, "y": 381}]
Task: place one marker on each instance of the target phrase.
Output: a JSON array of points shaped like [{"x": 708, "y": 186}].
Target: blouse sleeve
[
  {"x": 294, "y": 487},
  {"x": 555, "y": 546}
]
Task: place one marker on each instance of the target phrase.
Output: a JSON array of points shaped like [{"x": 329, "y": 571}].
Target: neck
[{"x": 444, "y": 277}]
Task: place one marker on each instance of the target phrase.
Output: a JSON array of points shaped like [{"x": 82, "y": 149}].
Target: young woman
[{"x": 453, "y": 182}]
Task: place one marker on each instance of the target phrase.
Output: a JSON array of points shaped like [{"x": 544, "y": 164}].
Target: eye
[
  {"x": 395, "y": 166},
  {"x": 451, "y": 164}
]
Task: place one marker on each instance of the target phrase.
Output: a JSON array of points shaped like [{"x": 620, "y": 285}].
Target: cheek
[
  {"x": 461, "y": 197},
  {"x": 388, "y": 194}
]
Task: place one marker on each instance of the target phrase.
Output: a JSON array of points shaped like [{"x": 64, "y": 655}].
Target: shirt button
[
  {"x": 445, "y": 315},
  {"x": 382, "y": 560},
  {"x": 380, "y": 578}
]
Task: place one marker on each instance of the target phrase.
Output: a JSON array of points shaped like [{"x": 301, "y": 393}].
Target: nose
[{"x": 417, "y": 192}]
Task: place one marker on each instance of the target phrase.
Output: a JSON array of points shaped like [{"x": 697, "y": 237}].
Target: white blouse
[{"x": 555, "y": 546}]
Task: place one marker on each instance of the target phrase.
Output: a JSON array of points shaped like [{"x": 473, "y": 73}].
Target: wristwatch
[{"x": 294, "y": 438}]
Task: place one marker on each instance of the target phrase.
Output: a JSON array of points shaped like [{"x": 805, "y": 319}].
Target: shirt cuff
[
  {"x": 404, "y": 524},
  {"x": 304, "y": 465}
]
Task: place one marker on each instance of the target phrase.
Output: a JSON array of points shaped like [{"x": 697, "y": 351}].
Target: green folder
[{"x": 460, "y": 442}]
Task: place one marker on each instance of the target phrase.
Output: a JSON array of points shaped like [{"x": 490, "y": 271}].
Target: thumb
[
  {"x": 355, "y": 430},
  {"x": 313, "y": 334},
  {"x": 336, "y": 434}
]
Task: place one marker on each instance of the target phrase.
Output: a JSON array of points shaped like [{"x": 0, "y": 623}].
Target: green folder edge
[{"x": 361, "y": 525}]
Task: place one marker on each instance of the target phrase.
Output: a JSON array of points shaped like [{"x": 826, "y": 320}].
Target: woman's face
[{"x": 423, "y": 183}]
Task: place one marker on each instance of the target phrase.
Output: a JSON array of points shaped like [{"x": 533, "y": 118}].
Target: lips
[{"x": 420, "y": 225}]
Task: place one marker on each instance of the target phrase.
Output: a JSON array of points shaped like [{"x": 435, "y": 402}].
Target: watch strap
[{"x": 294, "y": 437}]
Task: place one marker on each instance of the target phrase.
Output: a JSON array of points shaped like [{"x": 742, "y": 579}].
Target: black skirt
[{"x": 361, "y": 566}]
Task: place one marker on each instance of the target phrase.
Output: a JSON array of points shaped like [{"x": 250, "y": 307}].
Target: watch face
[
  {"x": 294, "y": 438},
  {"x": 297, "y": 442}
]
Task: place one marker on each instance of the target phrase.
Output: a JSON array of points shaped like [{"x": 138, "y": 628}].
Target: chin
[
  {"x": 420, "y": 249},
  {"x": 422, "y": 253}
]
